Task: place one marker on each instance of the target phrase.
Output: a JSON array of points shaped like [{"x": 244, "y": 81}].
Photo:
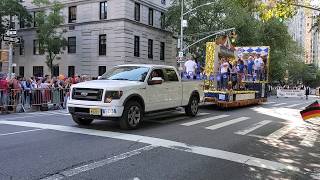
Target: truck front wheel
[
  {"x": 192, "y": 108},
  {"x": 132, "y": 115},
  {"x": 82, "y": 121}
]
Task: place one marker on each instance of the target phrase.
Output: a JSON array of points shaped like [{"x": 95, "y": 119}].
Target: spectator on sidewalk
[{"x": 4, "y": 86}]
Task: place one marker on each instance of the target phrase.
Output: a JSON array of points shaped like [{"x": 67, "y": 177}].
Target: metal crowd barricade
[{"x": 18, "y": 100}]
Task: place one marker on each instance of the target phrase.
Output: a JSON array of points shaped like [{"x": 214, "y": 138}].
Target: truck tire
[
  {"x": 82, "y": 121},
  {"x": 192, "y": 108},
  {"x": 132, "y": 115}
]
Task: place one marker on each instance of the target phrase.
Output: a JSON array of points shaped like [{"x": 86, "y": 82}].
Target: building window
[
  {"x": 101, "y": 70},
  {"x": 21, "y": 71},
  {"x": 72, "y": 14},
  {"x": 162, "y": 20},
  {"x": 72, "y": 45},
  {"x": 102, "y": 44},
  {"x": 103, "y": 10},
  {"x": 21, "y": 47},
  {"x": 162, "y": 50},
  {"x": 55, "y": 71},
  {"x": 150, "y": 17},
  {"x": 136, "y": 46},
  {"x": 22, "y": 22},
  {"x": 38, "y": 71},
  {"x": 34, "y": 19},
  {"x": 71, "y": 71},
  {"x": 137, "y": 11},
  {"x": 163, "y": 2},
  {"x": 37, "y": 48},
  {"x": 150, "y": 48}
]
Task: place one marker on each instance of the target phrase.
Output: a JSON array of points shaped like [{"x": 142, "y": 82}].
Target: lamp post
[{"x": 181, "y": 28}]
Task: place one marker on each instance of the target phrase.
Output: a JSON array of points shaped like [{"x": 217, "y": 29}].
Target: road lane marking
[
  {"x": 227, "y": 123},
  {"x": 209, "y": 152},
  {"x": 204, "y": 120},
  {"x": 294, "y": 105},
  {"x": 97, "y": 164},
  {"x": 253, "y": 127},
  {"x": 280, "y": 132},
  {"x": 271, "y": 102},
  {"x": 310, "y": 138},
  {"x": 19, "y": 132},
  {"x": 276, "y": 105}
]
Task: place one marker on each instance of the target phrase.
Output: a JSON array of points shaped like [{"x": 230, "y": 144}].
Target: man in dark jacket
[{"x": 307, "y": 92}]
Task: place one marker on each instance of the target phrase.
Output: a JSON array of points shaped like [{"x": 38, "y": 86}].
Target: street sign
[
  {"x": 16, "y": 40},
  {"x": 184, "y": 23},
  {"x": 180, "y": 54},
  {"x": 5, "y": 38}
]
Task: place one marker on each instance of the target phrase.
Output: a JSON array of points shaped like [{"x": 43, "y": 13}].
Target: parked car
[{"x": 126, "y": 93}]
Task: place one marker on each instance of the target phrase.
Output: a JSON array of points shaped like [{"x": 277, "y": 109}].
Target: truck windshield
[{"x": 128, "y": 73}]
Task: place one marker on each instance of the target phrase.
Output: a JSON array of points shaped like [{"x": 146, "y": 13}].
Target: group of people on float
[{"x": 251, "y": 69}]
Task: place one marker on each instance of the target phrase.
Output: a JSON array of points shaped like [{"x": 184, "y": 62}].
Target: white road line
[
  {"x": 280, "y": 132},
  {"x": 276, "y": 105},
  {"x": 97, "y": 164},
  {"x": 19, "y": 132},
  {"x": 227, "y": 123},
  {"x": 253, "y": 127},
  {"x": 271, "y": 102},
  {"x": 59, "y": 113},
  {"x": 294, "y": 105},
  {"x": 310, "y": 138},
  {"x": 209, "y": 152},
  {"x": 204, "y": 120}
]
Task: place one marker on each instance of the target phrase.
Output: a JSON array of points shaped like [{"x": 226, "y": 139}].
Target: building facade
[
  {"x": 300, "y": 28},
  {"x": 100, "y": 34}
]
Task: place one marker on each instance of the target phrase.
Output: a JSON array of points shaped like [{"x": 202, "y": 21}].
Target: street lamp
[{"x": 183, "y": 24}]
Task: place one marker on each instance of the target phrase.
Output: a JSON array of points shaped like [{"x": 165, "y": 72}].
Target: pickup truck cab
[{"x": 126, "y": 92}]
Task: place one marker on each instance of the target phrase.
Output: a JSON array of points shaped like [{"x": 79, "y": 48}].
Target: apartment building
[
  {"x": 300, "y": 28},
  {"x": 100, "y": 34}
]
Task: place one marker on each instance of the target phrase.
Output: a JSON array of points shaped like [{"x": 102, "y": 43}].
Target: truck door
[
  {"x": 174, "y": 87},
  {"x": 157, "y": 94}
]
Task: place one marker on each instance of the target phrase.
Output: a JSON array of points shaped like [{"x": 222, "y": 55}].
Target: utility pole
[
  {"x": 10, "y": 59},
  {"x": 181, "y": 36}
]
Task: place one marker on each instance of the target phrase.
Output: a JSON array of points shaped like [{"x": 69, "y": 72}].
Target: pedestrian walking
[{"x": 307, "y": 92}]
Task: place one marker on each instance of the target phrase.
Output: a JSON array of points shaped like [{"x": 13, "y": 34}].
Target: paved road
[{"x": 268, "y": 141}]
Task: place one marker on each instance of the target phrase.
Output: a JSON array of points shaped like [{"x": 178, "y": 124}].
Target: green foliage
[
  {"x": 11, "y": 8},
  {"x": 251, "y": 31},
  {"x": 49, "y": 34}
]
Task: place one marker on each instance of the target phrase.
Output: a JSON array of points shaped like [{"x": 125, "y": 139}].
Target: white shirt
[
  {"x": 190, "y": 66},
  {"x": 258, "y": 63},
  {"x": 224, "y": 67}
]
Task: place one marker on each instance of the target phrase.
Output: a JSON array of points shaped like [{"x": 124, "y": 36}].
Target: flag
[{"x": 311, "y": 111}]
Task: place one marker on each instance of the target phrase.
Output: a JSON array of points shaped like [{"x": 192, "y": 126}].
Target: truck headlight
[{"x": 111, "y": 95}]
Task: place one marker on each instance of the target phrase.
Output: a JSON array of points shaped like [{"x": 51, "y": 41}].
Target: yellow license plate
[{"x": 95, "y": 111}]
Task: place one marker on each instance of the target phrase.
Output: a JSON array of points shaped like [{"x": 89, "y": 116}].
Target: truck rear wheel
[
  {"x": 82, "y": 121},
  {"x": 132, "y": 115},
  {"x": 192, "y": 108}
]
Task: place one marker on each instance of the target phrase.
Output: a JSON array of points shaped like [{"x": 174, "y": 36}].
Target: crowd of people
[
  {"x": 233, "y": 73},
  {"x": 230, "y": 73},
  {"x": 35, "y": 90},
  {"x": 45, "y": 82}
]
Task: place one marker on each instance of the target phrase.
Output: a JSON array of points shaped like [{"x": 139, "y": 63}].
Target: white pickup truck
[{"x": 127, "y": 92}]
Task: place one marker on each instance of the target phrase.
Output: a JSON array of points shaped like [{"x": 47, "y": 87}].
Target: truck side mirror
[{"x": 155, "y": 80}]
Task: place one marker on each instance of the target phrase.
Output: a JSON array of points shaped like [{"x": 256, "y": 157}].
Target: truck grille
[{"x": 87, "y": 94}]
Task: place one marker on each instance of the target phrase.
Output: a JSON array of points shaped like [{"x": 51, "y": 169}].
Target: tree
[
  {"x": 10, "y": 9},
  {"x": 49, "y": 33}
]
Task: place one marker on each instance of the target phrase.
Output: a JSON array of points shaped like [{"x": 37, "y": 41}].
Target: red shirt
[{"x": 4, "y": 85}]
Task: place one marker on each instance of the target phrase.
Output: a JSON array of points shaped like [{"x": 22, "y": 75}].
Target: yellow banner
[{"x": 209, "y": 67}]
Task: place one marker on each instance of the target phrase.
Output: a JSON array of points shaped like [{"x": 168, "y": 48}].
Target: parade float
[{"x": 245, "y": 88}]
